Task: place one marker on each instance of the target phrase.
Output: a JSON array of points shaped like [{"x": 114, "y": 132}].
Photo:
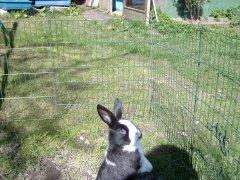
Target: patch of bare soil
[
  {"x": 50, "y": 172},
  {"x": 64, "y": 165}
]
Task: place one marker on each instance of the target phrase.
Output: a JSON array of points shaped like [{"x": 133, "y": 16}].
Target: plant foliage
[
  {"x": 232, "y": 14},
  {"x": 191, "y": 9}
]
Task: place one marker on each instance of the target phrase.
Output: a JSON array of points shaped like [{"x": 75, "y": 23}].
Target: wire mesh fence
[
  {"x": 196, "y": 97},
  {"x": 74, "y": 64},
  {"x": 186, "y": 81}
]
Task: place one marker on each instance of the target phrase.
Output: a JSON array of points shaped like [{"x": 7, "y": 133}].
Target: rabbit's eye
[{"x": 122, "y": 131}]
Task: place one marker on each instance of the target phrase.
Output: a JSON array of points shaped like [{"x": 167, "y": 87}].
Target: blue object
[
  {"x": 39, "y": 3},
  {"x": 118, "y": 5},
  {"x": 15, "y": 4}
]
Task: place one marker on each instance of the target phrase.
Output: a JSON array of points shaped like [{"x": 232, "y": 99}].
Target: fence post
[
  {"x": 198, "y": 64},
  {"x": 196, "y": 91},
  {"x": 9, "y": 36},
  {"x": 150, "y": 69}
]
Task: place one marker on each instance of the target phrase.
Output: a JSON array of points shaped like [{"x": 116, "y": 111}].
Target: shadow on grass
[
  {"x": 10, "y": 144},
  {"x": 13, "y": 156},
  {"x": 171, "y": 162},
  {"x": 21, "y": 141}
]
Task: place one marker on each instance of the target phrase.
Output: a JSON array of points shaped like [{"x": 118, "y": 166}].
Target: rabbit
[{"x": 124, "y": 158}]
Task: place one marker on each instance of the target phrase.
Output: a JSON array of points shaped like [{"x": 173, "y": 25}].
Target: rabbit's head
[{"x": 122, "y": 133}]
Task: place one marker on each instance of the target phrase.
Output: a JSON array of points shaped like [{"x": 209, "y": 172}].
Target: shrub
[
  {"x": 232, "y": 14},
  {"x": 191, "y": 9}
]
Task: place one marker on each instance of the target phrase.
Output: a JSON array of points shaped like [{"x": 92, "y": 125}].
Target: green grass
[
  {"x": 55, "y": 92},
  {"x": 64, "y": 68}
]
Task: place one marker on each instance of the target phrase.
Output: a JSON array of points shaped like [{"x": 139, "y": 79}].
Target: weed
[
  {"x": 42, "y": 12},
  {"x": 73, "y": 10},
  {"x": 167, "y": 25},
  {"x": 19, "y": 14}
]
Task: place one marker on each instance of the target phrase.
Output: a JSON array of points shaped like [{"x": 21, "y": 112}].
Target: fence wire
[
  {"x": 196, "y": 96},
  {"x": 186, "y": 82}
]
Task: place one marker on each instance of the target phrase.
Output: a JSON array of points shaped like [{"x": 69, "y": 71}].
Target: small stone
[
  {"x": 57, "y": 8},
  {"x": 178, "y": 19},
  {"x": 183, "y": 133},
  {"x": 1, "y": 150},
  {"x": 238, "y": 98},
  {"x": 224, "y": 20},
  {"x": 196, "y": 122},
  {"x": 83, "y": 138},
  {"x": 87, "y": 142},
  {"x": 211, "y": 19},
  {"x": 203, "y": 18}
]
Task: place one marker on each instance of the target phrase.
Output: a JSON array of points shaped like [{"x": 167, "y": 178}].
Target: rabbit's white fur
[{"x": 145, "y": 165}]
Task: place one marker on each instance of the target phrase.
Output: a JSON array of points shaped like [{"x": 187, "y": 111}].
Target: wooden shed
[
  {"x": 130, "y": 9},
  {"x": 135, "y": 9}
]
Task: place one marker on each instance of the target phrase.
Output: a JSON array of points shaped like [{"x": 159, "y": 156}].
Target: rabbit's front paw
[{"x": 146, "y": 166}]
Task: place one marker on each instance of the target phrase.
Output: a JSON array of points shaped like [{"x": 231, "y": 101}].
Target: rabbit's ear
[
  {"x": 118, "y": 109},
  {"x": 106, "y": 115}
]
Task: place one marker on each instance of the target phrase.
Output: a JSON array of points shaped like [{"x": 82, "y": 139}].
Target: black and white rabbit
[{"x": 124, "y": 157}]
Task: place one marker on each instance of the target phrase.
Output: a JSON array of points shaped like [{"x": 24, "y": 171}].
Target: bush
[
  {"x": 191, "y": 9},
  {"x": 232, "y": 14}
]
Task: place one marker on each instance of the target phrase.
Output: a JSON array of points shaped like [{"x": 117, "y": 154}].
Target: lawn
[
  {"x": 172, "y": 87},
  {"x": 52, "y": 92}
]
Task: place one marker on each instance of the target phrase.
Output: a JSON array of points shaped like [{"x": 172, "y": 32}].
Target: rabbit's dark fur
[
  {"x": 126, "y": 165},
  {"x": 124, "y": 157}
]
